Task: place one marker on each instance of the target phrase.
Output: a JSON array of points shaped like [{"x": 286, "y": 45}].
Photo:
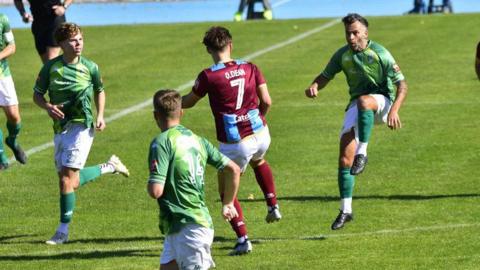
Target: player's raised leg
[
  {"x": 113, "y": 165},
  {"x": 367, "y": 105},
  {"x": 346, "y": 181}
]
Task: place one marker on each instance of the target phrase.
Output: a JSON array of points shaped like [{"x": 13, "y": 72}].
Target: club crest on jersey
[
  {"x": 234, "y": 73},
  {"x": 154, "y": 165}
]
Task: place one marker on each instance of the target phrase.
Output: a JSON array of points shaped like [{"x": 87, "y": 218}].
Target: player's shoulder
[
  {"x": 88, "y": 63},
  {"x": 377, "y": 47},
  {"x": 3, "y": 17},
  {"x": 341, "y": 51},
  {"x": 54, "y": 61}
]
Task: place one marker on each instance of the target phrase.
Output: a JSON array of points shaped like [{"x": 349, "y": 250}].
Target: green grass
[{"x": 416, "y": 205}]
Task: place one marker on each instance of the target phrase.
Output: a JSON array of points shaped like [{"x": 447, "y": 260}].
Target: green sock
[
  {"x": 13, "y": 130},
  {"x": 365, "y": 124},
  {"x": 346, "y": 182},
  {"x": 3, "y": 156},
  {"x": 89, "y": 174},
  {"x": 67, "y": 204}
]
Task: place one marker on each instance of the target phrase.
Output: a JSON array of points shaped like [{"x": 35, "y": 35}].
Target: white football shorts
[
  {"x": 8, "y": 96},
  {"x": 190, "y": 248},
  {"x": 249, "y": 148},
  {"x": 72, "y": 146},
  {"x": 351, "y": 115}
]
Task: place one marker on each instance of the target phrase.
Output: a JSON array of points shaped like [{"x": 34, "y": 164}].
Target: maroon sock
[
  {"x": 264, "y": 177},
  {"x": 237, "y": 223}
]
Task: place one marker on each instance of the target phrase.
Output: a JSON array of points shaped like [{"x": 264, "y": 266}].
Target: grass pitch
[{"x": 416, "y": 205}]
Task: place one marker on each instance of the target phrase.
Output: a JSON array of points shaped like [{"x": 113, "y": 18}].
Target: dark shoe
[
  {"x": 359, "y": 163},
  {"x": 17, "y": 151},
  {"x": 241, "y": 248},
  {"x": 341, "y": 219}
]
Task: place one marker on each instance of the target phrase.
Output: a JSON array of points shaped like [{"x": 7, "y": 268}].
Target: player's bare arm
[
  {"x": 393, "y": 120},
  {"x": 265, "y": 99},
  {"x": 155, "y": 190},
  {"x": 231, "y": 181},
  {"x": 190, "y": 100},
  {"x": 54, "y": 111},
  {"x": 100, "y": 104},
  {"x": 319, "y": 83},
  {"x": 7, "y": 51}
]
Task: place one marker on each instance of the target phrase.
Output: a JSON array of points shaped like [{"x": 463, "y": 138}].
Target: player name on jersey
[{"x": 234, "y": 73}]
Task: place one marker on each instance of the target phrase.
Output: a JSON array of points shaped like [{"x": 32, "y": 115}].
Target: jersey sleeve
[
  {"x": 158, "y": 161},
  {"x": 391, "y": 68},
  {"x": 96, "y": 79},
  {"x": 7, "y": 31},
  {"x": 43, "y": 80},
  {"x": 200, "y": 88},
  {"x": 215, "y": 158},
  {"x": 259, "y": 78},
  {"x": 334, "y": 66}
]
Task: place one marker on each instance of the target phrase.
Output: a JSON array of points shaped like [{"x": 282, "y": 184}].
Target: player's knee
[
  {"x": 345, "y": 162},
  {"x": 366, "y": 102}
]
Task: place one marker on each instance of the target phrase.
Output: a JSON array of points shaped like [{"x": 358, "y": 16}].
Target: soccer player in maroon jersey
[{"x": 239, "y": 100}]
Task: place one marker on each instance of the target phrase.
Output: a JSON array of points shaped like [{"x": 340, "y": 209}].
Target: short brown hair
[
  {"x": 217, "y": 38},
  {"x": 168, "y": 102},
  {"x": 66, "y": 31},
  {"x": 354, "y": 17}
]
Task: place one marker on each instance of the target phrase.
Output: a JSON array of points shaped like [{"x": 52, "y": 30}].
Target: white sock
[
  {"x": 242, "y": 239},
  {"x": 362, "y": 148},
  {"x": 106, "y": 168},
  {"x": 270, "y": 208},
  {"x": 346, "y": 205},
  {"x": 63, "y": 228}
]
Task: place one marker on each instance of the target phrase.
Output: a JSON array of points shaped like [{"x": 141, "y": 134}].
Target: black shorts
[{"x": 43, "y": 30}]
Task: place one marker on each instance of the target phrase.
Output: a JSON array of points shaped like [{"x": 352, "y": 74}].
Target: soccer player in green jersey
[
  {"x": 372, "y": 76},
  {"x": 71, "y": 80},
  {"x": 177, "y": 161},
  {"x": 8, "y": 96}
]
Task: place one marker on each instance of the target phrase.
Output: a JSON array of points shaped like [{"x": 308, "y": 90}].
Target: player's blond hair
[
  {"x": 66, "y": 31},
  {"x": 168, "y": 103}
]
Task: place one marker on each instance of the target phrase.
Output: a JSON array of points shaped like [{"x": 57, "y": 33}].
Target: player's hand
[
  {"x": 27, "y": 17},
  {"x": 55, "y": 111},
  {"x": 100, "y": 125},
  {"x": 393, "y": 120},
  {"x": 312, "y": 91},
  {"x": 59, "y": 10},
  {"x": 229, "y": 212}
]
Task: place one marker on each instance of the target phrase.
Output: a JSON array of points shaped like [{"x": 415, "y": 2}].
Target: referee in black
[{"x": 45, "y": 16}]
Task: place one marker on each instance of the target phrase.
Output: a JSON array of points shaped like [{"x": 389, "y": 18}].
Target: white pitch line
[
  {"x": 189, "y": 84},
  {"x": 300, "y": 238}
]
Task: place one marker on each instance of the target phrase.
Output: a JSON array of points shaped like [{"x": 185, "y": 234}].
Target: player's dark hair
[
  {"x": 354, "y": 17},
  {"x": 66, "y": 31},
  {"x": 167, "y": 102},
  {"x": 217, "y": 38}
]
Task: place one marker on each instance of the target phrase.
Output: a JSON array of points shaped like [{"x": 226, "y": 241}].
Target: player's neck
[
  {"x": 221, "y": 58},
  {"x": 71, "y": 59},
  {"x": 166, "y": 124}
]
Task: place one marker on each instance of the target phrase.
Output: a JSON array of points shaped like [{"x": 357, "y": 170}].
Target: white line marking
[
  {"x": 158, "y": 245},
  {"x": 189, "y": 84}
]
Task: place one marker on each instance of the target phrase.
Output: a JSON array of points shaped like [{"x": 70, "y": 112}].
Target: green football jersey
[
  {"x": 371, "y": 71},
  {"x": 177, "y": 159},
  {"x": 6, "y": 38},
  {"x": 71, "y": 85}
]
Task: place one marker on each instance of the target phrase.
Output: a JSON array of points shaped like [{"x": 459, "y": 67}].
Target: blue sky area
[{"x": 223, "y": 10}]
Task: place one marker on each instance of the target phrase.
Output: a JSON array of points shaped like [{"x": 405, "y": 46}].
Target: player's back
[{"x": 232, "y": 91}]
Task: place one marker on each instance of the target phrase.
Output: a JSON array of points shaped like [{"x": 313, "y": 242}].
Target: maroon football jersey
[{"x": 232, "y": 91}]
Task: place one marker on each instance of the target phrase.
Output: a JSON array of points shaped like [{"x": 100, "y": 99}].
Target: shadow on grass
[
  {"x": 83, "y": 255},
  {"x": 6, "y": 239},
  {"x": 371, "y": 197},
  {"x": 86, "y": 241}
]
